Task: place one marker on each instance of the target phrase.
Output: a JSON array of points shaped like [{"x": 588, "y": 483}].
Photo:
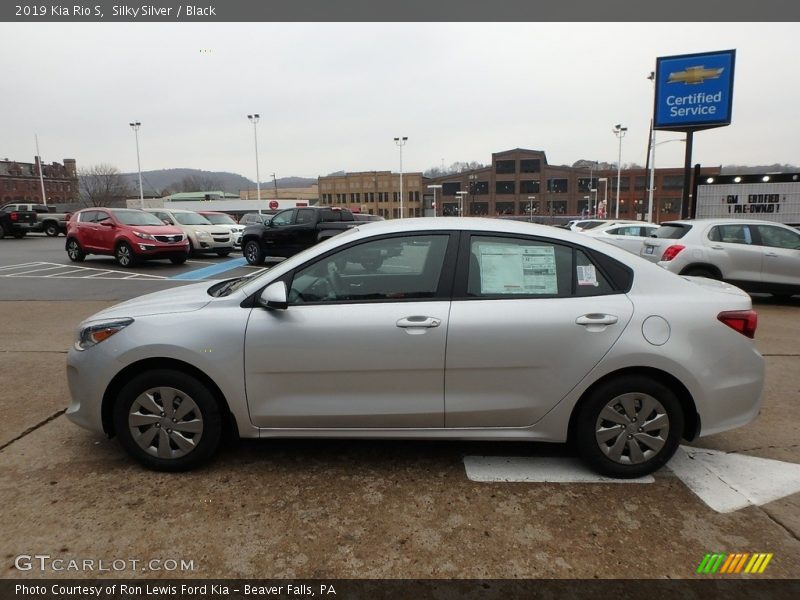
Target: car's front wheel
[
  {"x": 223, "y": 253},
  {"x": 629, "y": 427},
  {"x": 253, "y": 253},
  {"x": 124, "y": 255},
  {"x": 167, "y": 420},
  {"x": 179, "y": 260}
]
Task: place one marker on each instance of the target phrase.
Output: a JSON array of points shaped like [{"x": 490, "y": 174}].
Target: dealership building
[{"x": 517, "y": 183}]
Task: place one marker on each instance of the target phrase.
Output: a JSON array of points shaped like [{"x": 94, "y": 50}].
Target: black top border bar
[{"x": 600, "y": 11}]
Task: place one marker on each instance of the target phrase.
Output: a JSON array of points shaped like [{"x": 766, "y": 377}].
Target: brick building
[
  {"x": 19, "y": 182},
  {"x": 374, "y": 192}
]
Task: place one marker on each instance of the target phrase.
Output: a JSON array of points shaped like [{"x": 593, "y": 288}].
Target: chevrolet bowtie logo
[{"x": 694, "y": 75}]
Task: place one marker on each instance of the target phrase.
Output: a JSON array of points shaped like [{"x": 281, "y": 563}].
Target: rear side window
[
  {"x": 731, "y": 234},
  {"x": 504, "y": 267},
  {"x": 305, "y": 216},
  {"x": 87, "y": 217},
  {"x": 672, "y": 231},
  {"x": 778, "y": 237}
]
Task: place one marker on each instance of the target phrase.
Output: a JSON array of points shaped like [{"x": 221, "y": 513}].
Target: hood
[
  {"x": 156, "y": 229},
  {"x": 182, "y": 299}
]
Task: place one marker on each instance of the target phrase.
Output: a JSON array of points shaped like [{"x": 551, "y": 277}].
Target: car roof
[{"x": 729, "y": 221}]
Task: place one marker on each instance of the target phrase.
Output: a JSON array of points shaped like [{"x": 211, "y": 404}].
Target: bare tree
[
  {"x": 200, "y": 183},
  {"x": 102, "y": 185}
]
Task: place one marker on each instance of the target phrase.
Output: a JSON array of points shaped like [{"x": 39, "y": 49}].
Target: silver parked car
[
  {"x": 757, "y": 256},
  {"x": 448, "y": 328},
  {"x": 628, "y": 236}
]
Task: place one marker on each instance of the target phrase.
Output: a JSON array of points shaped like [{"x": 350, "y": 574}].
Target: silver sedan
[{"x": 448, "y": 328}]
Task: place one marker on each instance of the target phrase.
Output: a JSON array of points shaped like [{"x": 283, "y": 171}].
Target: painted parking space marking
[
  {"x": 59, "y": 271},
  {"x": 212, "y": 270},
  {"x": 532, "y": 469},
  {"x": 728, "y": 482}
]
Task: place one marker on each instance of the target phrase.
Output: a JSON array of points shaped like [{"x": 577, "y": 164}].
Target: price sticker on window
[{"x": 587, "y": 275}]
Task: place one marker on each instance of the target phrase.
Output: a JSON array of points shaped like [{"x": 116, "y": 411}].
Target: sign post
[{"x": 693, "y": 92}]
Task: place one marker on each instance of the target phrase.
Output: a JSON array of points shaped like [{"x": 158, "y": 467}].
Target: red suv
[{"x": 129, "y": 235}]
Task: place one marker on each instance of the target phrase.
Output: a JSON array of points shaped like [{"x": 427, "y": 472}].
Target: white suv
[
  {"x": 203, "y": 235},
  {"x": 757, "y": 256}
]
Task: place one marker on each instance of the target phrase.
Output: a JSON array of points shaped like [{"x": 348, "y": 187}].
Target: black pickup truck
[
  {"x": 293, "y": 230},
  {"x": 16, "y": 222}
]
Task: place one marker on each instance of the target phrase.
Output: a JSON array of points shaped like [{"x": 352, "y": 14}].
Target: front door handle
[
  {"x": 718, "y": 247},
  {"x": 596, "y": 319},
  {"x": 418, "y": 321},
  {"x": 771, "y": 254}
]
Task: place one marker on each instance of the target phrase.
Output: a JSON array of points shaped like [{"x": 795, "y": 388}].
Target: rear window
[{"x": 672, "y": 231}]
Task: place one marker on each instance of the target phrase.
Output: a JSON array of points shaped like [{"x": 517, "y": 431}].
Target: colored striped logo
[{"x": 740, "y": 562}]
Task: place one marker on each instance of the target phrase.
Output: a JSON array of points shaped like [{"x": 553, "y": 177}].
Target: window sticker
[
  {"x": 515, "y": 269},
  {"x": 587, "y": 275}
]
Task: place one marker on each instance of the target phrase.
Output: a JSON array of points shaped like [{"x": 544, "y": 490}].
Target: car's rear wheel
[
  {"x": 700, "y": 272},
  {"x": 51, "y": 230},
  {"x": 629, "y": 427},
  {"x": 124, "y": 255},
  {"x": 253, "y": 253},
  {"x": 167, "y": 420},
  {"x": 20, "y": 234},
  {"x": 74, "y": 251}
]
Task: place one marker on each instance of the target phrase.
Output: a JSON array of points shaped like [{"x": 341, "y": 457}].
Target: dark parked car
[
  {"x": 129, "y": 235},
  {"x": 293, "y": 230},
  {"x": 16, "y": 222}
]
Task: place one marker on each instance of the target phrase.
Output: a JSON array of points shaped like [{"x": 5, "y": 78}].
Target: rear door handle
[
  {"x": 771, "y": 254},
  {"x": 418, "y": 321},
  {"x": 596, "y": 319},
  {"x": 718, "y": 247}
]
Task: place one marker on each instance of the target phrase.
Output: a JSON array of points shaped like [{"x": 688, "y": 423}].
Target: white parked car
[
  {"x": 203, "y": 236},
  {"x": 467, "y": 328},
  {"x": 757, "y": 256},
  {"x": 628, "y": 236},
  {"x": 225, "y": 220}
]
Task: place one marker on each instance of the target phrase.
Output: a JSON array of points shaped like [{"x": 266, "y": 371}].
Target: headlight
[
  {"x": 95, "y": 333},
  {"x": 202, "y": 234},
  {"x": 144, "y": 236}
]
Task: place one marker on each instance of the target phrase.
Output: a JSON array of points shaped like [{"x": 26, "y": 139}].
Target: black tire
[
  {"x": 20, "y": 234},
  {"x": 74, "y": 250},
  {"x": 205, "y": 410},
  {"x": 124, "y": 255},
  {"x": 253, "y": 253},
  {"x": 700, "y": 272},
  {"x": 634, "y": 391},
  {"x": 191, "y": 249},
  {"x": 179, "y": 260},
  {"x": 2, "y": 232},
  {"x": 51, "y": 229},
  {"x": 223, "y": 253}
]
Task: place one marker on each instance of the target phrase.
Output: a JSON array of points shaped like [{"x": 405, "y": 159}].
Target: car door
[
  {"x": 781, "y": 251},
  {"x": 358, "y": 346},
  {"x": 87, "y": 230},
  {"x": 530, "y": 318},
  {"x": 732, "y": 250},
  {"x": 280, "y": 234},
  {"x": 105, "y": 231}
]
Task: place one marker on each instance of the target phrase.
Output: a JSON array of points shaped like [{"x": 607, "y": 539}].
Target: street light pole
[
  {"x": 136, "y": 125},
  {"x": 401, "y": 141},
  {"x": 530, "y": 207},
  {"x": 653, "y": 174},
  {"x": 434, "y": 187},
  {"x": 620, "y": 132},
  {"x": 461, "y": 203},
  {"x": 605, "y": 194},
  {"x": 254, "y": 120}
]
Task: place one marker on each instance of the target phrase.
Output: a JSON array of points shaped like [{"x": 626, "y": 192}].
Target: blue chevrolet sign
[{"x": 694, "y": 91}]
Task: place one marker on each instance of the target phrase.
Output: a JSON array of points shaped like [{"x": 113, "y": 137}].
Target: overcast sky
[{"x": 332, "y": 96}]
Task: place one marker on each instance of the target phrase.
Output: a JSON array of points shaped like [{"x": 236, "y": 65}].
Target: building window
[
  {"x": 670, "y": 205},
  {"x": 525, "y": 207},
  {"x": 558, "y": 207},
  {"x": 504, "y": 167},
  {"x": 450, "y": 189},
  {"x": 479, "y": 208},
  {"x": 625, "y": 183},
  {"x": 639, "y": 182},
  {"x": 504, "y": 208},
  {"x": 532, "y": 165},
  {"x": 529, "y": 186},
  {"x": 505, "y": 187},
  {"x": 673, "y": 182},
  {"x": 585, "y": 184},
  {"x": 480, "y": 188},
  {"x": 450, "y": 209},
  {"x": 558, "y": 186}
]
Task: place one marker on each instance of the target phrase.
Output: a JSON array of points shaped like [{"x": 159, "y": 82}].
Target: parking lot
[{"x": 359, "y": 509}]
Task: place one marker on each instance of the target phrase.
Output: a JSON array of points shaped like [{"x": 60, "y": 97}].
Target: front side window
[
  {"x": 778, "y": 237},
  {"x": 504, "y": 267},
  {"x": 283, "y": 218},
  {"x": 390, "y": 269}
]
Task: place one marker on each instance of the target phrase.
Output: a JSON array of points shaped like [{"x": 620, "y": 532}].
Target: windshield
[
  {"x": 220, "y": 219},
  {"x": 671, "y": 231},
  {"x": 190, "y": 218},
  {"x": 137, "y": 217}
]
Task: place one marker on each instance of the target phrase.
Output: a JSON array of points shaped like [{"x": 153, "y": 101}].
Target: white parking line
[
  {"x": 531, "y": 469},
  {"x": 20, "y": 266},
  {"x": 38, "y": 269},
  {"x": 78, "y": 270}
]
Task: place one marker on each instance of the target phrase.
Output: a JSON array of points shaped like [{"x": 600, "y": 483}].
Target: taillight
[
  {"x": 672, "y": 252},
  {"x": 743, "y": 321},
  {"x": 14, "y": 216}
]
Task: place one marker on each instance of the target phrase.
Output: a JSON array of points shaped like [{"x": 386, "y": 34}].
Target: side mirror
[
  {"x": 166, "y": 221},
  {"x": 274, "y": 296}
]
